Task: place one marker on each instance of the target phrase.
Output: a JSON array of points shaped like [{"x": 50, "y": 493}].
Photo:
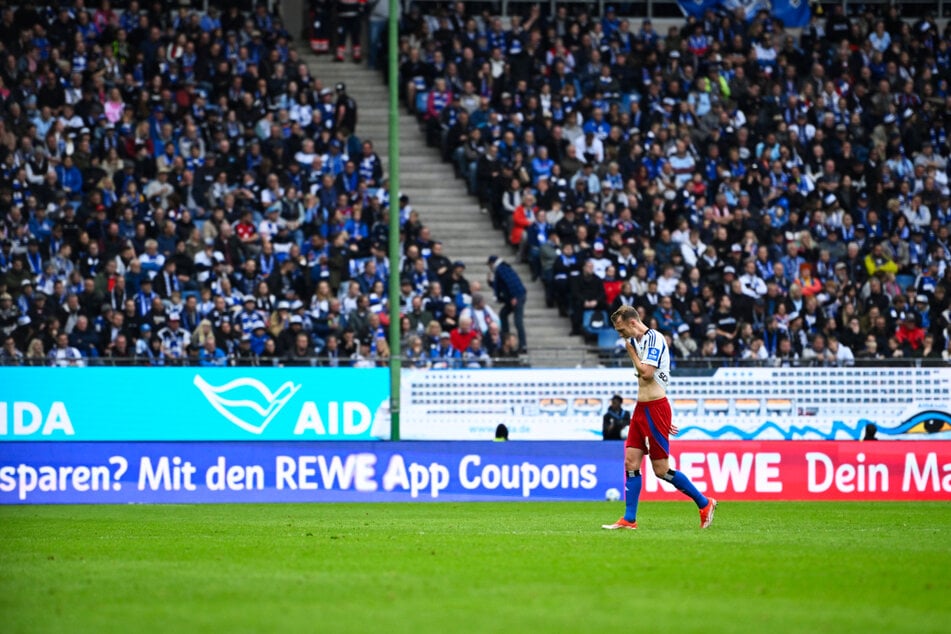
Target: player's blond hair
[{"x": 624, "y": 313}]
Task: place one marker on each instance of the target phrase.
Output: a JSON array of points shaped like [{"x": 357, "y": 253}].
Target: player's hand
[
  {"x": 674, "y": 430},
  {"x": 631, "y": 350}
]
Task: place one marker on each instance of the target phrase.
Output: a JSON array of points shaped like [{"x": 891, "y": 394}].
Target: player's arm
[
  {"x": 644, "y": 369},
  {"x": 653, "y": 349}
]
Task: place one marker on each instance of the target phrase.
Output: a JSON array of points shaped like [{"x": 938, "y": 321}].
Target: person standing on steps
[
  {"x": 346, "y": 110},
  {"x": 349, "y": 22},
  {"x": 511, "y": 293},
  {"x": 378, "y": 36},
  {"x": 320, "y": 25}
]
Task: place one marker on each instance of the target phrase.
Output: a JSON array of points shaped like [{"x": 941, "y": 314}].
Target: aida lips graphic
[{"x": 247, "y": 402}]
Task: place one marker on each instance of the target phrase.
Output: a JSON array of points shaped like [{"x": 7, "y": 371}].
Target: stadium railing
[
  {"x": 670, "y": 9},
  {"x": 537, "y": 358},
  {"x": 709, "y": 363}
]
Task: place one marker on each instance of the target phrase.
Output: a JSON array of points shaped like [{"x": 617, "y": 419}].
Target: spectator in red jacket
[
  {"x": 910, "y": 335},
  {"x": 522, "y": 219},
  {"x": 809, "y": 284},
  {"x": 463, "y": 334}
]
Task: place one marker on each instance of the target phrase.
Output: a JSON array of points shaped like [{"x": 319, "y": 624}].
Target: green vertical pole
[{"x": 394, "y": 160}]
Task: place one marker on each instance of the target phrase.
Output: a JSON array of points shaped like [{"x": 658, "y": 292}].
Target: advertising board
[
  {"x": 174, "y": 404},
  {"x": 203, "y": 472},
  {"x": 725, "y": 404}
]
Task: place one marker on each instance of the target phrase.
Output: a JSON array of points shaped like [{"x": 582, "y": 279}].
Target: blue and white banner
[
  {"x": 156, "y": 404},
  {"x": 698, "y": 8},
  {"x": 120, "y": 473},
  {"x": 793, "y": 13}
]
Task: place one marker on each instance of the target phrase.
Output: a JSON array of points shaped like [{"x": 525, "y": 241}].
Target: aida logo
[
  {"x": 247, "y": 402},
  {"x": 653, "y": 354},
  {"x": 23, "y": 418}
]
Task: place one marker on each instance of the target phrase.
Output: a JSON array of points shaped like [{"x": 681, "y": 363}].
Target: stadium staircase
[{"x": 451, "y": 214}]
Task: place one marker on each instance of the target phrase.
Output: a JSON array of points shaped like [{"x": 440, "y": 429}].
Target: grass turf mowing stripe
[{"x": 479, "y": 567}]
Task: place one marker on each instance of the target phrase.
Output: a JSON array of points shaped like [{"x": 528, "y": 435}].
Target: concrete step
[{"x": 443, "y": 196}]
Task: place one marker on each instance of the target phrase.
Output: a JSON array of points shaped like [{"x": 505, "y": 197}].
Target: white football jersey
[{"x": 652, "y": 350}]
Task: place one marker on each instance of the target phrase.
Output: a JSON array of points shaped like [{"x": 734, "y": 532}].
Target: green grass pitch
[{"x": 478, "y": 567}]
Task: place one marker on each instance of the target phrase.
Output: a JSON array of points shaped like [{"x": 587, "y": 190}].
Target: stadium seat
[
  {"x": 421, "y": 98},
  {"x": 587, "y": 319},
  {"x": 594, "y": 322},
  {"x": 904, "y": 281},
  {"x": 626, "y": 100},
  {"x": 607, "y": 339}
]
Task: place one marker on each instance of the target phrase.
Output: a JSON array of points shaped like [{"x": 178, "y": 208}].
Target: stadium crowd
[
  {"x": 175, "y": 186},
  {"x": 759, "y": 196}
]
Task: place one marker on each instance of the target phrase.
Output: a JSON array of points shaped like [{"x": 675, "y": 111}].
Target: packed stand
[
  {"x": 759, "y": 197},
  {"x": 176, "y": 188}
]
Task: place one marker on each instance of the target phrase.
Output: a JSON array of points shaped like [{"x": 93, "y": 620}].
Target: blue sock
[
  {"x": 685, "y": 486},
  {"x": 632, "y": 491}
]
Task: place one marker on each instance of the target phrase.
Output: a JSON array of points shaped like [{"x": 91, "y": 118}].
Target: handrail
[
  {"x": 538, "y": 358},
  {"x": 670, "y": 9}
]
